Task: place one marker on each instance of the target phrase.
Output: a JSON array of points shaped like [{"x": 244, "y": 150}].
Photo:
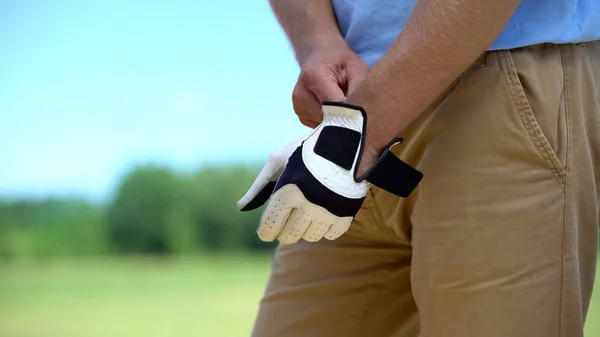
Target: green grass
[
  {"x": 212, "y": 297},
  {"x": 136, "y": 297}
]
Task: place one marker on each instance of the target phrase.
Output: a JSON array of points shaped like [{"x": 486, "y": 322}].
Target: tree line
[{"x": 154, "y": 210}]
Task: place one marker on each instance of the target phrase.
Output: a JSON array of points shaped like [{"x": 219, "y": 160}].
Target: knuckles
[
  {"x": 309, "y": 122},
  {"x": 297, "y": 94}
]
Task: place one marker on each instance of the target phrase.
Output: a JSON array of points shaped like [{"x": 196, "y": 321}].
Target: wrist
[
  {"x": 381, "y": 128},
  {"x": 316, "y": 44}
]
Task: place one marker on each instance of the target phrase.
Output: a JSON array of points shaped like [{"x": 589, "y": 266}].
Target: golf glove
[{"x": 311, "y": 184}]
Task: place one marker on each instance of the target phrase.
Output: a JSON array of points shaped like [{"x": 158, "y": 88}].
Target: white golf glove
[{"x": 311, "y": 183}]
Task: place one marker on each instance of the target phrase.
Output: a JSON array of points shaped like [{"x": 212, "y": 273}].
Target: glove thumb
[
  {"x": 265, "y": 182},
  {"x": 262, "y": 188}
]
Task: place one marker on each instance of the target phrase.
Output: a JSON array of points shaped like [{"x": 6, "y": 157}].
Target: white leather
[
  {"x": 272, "y": 170},
  {"x": 334, "y": 177},
  {"x": 289, "y": 217}
]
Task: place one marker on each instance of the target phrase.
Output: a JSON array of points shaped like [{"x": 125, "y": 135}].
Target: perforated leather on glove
[{"x": 311, "y": 184}]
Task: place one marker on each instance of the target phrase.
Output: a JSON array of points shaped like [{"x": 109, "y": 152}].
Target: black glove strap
[
  {"x": 338, "y": 145},
  {"x": 392, "y": 174}
]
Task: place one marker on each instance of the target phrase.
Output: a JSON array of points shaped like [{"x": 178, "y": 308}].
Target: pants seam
[
  {"x": 566, "y": 84},
  {"x": 521, "y": 104}
]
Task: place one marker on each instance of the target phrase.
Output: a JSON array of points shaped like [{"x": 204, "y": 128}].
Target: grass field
[{"x": 130, "y": 298}]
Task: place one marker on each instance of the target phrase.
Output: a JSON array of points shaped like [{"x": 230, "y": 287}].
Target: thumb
[
  {"x": 326, "y": 88},
  {"x": 355, "y": 75}
]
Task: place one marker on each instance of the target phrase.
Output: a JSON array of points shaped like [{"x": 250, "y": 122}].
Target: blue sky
[{"x": 90, "y": 88}]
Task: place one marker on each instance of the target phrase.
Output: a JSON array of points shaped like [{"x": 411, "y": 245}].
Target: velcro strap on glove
[
  {"x": 339, "y": 145},
  {"x": 344, "y": 147},
  {"x": 392, "y": 174}
]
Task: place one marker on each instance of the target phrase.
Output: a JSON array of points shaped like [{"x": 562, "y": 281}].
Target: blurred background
[{"x": 128, "y": 131}]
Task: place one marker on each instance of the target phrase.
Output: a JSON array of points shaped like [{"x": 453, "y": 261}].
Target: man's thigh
[
  {"x": 357, "y": 285},
  {"x": 493, "y": 221}
]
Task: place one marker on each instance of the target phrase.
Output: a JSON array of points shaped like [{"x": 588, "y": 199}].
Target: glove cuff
[
  {"x": 343, "y": 145},
  {"x": 392, "y": 174}
]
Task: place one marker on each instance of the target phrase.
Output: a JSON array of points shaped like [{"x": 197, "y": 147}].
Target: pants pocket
[{"x": 536, "y": 85}]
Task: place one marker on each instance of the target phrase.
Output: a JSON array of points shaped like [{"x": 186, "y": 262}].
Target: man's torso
[{"x": 370, "y": 26}]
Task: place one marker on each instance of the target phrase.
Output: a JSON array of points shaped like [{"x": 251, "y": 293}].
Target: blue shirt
[{"x": 370, "y": 26}]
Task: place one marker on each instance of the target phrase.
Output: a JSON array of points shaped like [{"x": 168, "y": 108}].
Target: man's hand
[
  {"x": 328, "y": 74},
  {"x": 329, "y": 69},
  {"x": 313, "y": 188}
]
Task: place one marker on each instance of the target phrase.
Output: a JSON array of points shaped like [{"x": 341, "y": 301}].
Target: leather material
[
  {"x": 314, "y": 191},
  {"x": 317, "y": 192}
]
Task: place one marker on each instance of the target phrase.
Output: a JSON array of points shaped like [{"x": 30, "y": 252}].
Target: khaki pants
[{"x": 501, "y": 236}]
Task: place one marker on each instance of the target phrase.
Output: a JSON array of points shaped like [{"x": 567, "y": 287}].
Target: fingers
[
  {"x": 314, "y": 87},
  {"x": 340, "y": 227},
  {"x": 273, "y": 218},
  {"x": 324, "y": 85},
  {"x": 355, "y": 75},
  {"x": 296, "y": 225},
  {"x": 310, "y": 123},
  {"x": 307, "y": 106},
  {"x": 278, "y": 211},
  {"x": 317, "y": 229},
  {"x": 289, "y": 217}
]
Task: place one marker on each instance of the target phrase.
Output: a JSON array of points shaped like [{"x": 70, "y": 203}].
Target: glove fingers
[
  {"x": 294, "y": 228},
  {"x": 322, "y": 222},
  {"x": 273, "y": 220},
  {"x": 340, "y": 227},
  {"x": 317, "y": 229},
  {"x": 278, "y": 211},
  {"x": 307, "y": 220},
  {"x": 289, "y": 217}
]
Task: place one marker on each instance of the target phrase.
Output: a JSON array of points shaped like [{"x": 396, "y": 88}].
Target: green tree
[
  {"x": 220, "y": 225},
  {"x": 151, "y": 213}
]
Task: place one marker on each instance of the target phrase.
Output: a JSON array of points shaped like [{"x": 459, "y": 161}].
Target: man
[{"x": 499, "y": 105}]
